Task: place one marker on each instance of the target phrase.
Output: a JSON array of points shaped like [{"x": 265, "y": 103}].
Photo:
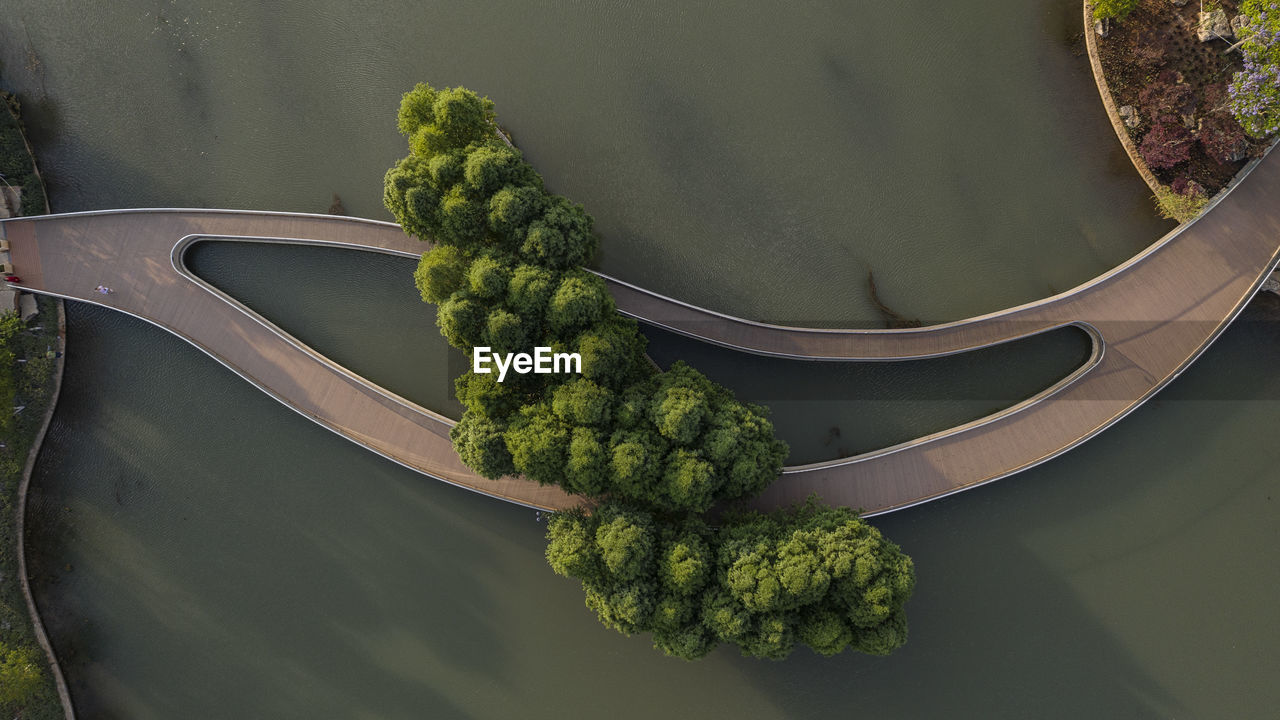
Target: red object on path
[{"x": 12, "y": 278}]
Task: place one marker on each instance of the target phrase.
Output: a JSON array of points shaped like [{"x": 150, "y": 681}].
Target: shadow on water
[
  {"x": 137, "y": 534},
  {"x": 1094, "y": 585},
  {"x": 829, "y": 410},
  {"x": 359, "y": 309}
]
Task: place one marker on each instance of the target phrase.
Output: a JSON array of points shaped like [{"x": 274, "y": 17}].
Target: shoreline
[
  {"x": 37, "y": 623},
  {"x": 1109, "y": 103},
  {"x": 24, "y": 484}
]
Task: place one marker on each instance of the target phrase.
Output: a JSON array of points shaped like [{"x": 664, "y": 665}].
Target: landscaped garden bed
[{"x": 1174, "y": 92}]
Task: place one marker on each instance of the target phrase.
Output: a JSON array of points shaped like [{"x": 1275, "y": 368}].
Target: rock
[
  {"x": 1102, "y": 28},
  {"x": 1238, "y": 23},
  {"x": 1178, "y": 3},
  {"x": 1214, "y": 26},
  {"x": 1271, "y": 284},
  {"x": 1129, "y": 114}
]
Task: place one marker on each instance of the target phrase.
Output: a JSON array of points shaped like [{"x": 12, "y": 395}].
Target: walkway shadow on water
[
  {"x": 999, "y": 625},
  {"x": 201, "y": 593}
]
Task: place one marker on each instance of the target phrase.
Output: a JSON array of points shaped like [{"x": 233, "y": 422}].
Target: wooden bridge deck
[{"x": 1148, "y": 318}]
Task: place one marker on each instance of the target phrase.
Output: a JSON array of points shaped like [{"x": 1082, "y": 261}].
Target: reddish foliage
[
  {"x": 1184, "y": 185},
  {"x": 1166, "y": 145},
  {"x": 1215, "y": 98},
  {"x": 1167, "y": 95},
  {"x": 1223, "y": 139}
]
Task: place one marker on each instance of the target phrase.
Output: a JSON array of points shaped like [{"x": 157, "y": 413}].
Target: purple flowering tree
[{"x": 1255, "y": 92}]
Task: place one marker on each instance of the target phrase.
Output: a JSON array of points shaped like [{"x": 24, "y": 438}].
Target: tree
[
  {"x": 460, "y": 320},
  {"x": 562, "y": 237},
  {"x": 482, "y": 393},
  {"x": 530, "y": 290},
  {"x": 625, "y": 538},
  {"x": 488, "y": 277},
  {"x": 491, "y": 167},
  {"x": 504, "y": 332},
  {"x": 512, "y": 208},
  {"x": 582, "y": 402},
  {"x": 587, "y": 472},
  {"x": 417, "y": 109},
  {"x": 688, "y": 483},
  {"x": 636, "y": 464},
  {"x": 571, "y": 550},
  {"x": 457, "y": 118},
  {"x": 462, "y": 220},
  {"x": 612, "y": 352},
  {"x": 441, "y": 272},
  {"x": 481, "y": 445},
  {"x": 1167, "y": 97},
  {"x": 678, "y": 413},
  {"x": 580, "y": 301},
  {"x": 539, "y": 444}
]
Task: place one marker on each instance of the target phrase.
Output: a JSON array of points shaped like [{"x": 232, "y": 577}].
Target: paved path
[{"x": 1148, "y": 319}]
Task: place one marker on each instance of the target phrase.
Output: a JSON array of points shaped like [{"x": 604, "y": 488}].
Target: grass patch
[{"x": 1182, "y": 208}]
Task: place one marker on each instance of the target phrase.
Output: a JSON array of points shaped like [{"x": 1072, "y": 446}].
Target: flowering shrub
[
  {"x": 1166, "y": 145},
  {"x": 1255, "y": 92}
]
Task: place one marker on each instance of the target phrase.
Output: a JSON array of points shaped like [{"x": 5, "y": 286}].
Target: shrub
[
  {"x": 1223, "y": 139},
  {"x": 1166, "y": 145},
  {"x": 1182, "y": 208},
  {"x": 1167, "y": 96},
  {"x": 1113, "y": 9}
]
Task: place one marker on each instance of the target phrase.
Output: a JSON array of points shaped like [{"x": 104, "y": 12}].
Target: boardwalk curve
[{"x": 1148, "y": 320}]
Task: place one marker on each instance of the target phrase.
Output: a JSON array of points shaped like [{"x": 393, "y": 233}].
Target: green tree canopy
[{"x": 653, "y": 448}]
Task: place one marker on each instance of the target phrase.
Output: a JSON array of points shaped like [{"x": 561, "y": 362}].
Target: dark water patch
[
  {"x": 359, "y": 309},
  {"x": 829, "y": 410}
]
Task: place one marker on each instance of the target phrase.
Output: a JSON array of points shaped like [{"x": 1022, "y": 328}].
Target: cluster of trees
[
  {"x": 655, "y": 448},
  {"x": 1255, "y": 91},
  {"x": 506, "y": 273},
  {"x": 815, "y": 575}
]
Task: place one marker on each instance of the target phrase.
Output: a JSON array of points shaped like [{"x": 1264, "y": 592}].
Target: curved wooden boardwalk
[{"x": 1148, "y": 318}]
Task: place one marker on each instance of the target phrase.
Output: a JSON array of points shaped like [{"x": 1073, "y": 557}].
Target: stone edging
[
  {"x": 36, "y": 623},
  {"x": 1117, "y": 124}
]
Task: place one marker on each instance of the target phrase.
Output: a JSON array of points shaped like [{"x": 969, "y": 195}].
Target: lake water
[{"x": 201, "y": 551}]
